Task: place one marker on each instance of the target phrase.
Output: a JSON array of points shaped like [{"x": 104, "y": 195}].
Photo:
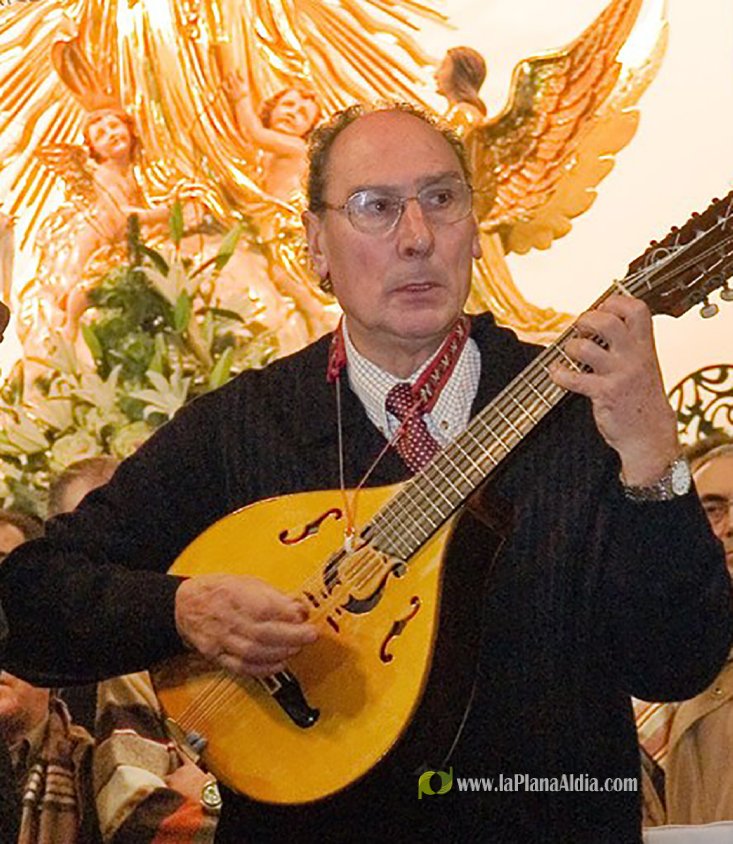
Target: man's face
[
  {"x": 22, "y": 706},
  {"x": 294, "y": 114},
  {"x": 714, "y": 482},
  {"x": 109, "y": 137},
  {"x": 406, "y": 287}
]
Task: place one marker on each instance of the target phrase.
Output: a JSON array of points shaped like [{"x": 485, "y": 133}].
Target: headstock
[{"x": 690, "y": 263}]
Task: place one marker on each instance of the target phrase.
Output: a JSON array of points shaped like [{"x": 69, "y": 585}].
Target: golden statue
[
  {"x": 79, "y": 241},
  {"x": 222, "y": 94}
]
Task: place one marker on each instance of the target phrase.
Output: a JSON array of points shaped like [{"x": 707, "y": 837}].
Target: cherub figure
[
  {"x": 111, "y": 141},
  {"x": 280, "y": 130},
  {"x": 459, "y": 78},
  {"x": 82, "y": 236}
]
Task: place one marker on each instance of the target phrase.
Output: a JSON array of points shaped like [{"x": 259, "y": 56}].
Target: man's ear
[{"x": 314, "y": 236}]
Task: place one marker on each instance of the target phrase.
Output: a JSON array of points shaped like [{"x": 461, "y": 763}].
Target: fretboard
[{"x": 429, "y": 498}]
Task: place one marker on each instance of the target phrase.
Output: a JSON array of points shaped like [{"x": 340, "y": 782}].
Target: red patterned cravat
[{"x": 415, "y": 444}]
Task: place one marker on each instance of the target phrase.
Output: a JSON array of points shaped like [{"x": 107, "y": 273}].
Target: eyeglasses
[
  {"x": 378, "y": 210},
  {"x": 717, "y": 510}
]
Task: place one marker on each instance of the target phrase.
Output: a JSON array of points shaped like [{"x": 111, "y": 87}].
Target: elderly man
[
  {"x": 593, "y": 597},
  {"x": 698, "y": 773}
]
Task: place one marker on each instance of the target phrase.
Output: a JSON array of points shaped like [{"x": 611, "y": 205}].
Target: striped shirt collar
[{"x": 452, "y": 410}]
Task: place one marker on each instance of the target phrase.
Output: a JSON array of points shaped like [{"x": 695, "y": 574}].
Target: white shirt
[{"x": 452, "y": 410}]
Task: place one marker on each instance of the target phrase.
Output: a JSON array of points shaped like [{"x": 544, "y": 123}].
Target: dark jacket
[{"x": 593, "y": 598}]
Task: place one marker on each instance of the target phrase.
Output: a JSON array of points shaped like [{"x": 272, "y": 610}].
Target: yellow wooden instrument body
[{"x": 365, "y": 674}]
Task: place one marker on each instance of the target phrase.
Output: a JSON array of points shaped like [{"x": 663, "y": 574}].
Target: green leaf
[
  {"x": 220, "y": 373},
  {"x": 156, "y": 362},
  {"x": 227, "y": 314},
  {"x": 226, "y": 250},
  {"x": 228, "y": 245},
  {"x": 176, "y": 223},
  {"x": 92, "y": 341},
  {"x": 158, "y": 260},
  {"x": 182, "y": 312}
]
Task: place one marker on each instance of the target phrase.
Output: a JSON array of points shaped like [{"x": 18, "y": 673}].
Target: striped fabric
[
  {"x": 653, "y": 724},
  {"x": 132, "y": 764},
  {"x": 53, "y": 789}
]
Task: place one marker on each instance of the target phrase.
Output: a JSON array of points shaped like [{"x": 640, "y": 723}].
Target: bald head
[{"x": 324, "y": 138}]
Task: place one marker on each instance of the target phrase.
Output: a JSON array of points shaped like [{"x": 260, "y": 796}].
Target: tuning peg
[
  {"x": 726, "y": 294},
  {"x": 708, "y": 310}
]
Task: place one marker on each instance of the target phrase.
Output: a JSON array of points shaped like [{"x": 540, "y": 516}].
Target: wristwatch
[
  {"x": 211, "y": 798},
  {"x": 676, "y": 481}
]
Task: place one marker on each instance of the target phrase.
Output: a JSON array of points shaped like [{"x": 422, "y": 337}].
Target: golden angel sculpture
[
  {"x": 133, "y": 104},
  {"x": 536, "y": 163}
]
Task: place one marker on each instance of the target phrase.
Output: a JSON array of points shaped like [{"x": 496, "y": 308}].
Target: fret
[
  {"x": 469, "y": 434},
  {"x": 435, "y": 467},
  {"x": 410, "y": 524},
  {"x": 388, "y": 540},
  {"x": 509, "y": 422},
  {"x": 536, "y": 391},
  {"x": 455, "y": 464},
  {"x": 440, "y": 492},
  {"x": 457, "y": 445},
  {"x": 493, "y": 433},
  {"x": 570, "y": 362},
  {"x": 414, "y": 486},
  {"x": 527, "y": 412},
  {"x": 399, "y": 516},
  {"x": 397, "y": 508}
]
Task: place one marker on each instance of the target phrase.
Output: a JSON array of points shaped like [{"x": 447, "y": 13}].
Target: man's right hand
[{"x": 242, "y": 623}]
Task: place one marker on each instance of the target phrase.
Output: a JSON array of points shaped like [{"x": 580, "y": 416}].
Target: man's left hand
[{"x": 625, "y": 386}]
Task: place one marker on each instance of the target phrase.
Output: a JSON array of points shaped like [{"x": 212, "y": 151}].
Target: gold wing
[
  {"x": 70, "y": 163},
  {"x": 37, "y": 110},
  {"x": 537, "y": 162}
]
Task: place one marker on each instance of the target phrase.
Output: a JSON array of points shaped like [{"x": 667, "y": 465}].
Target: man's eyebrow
[
  {"x": 713, "y": 497},
  {"x": 421, "y": 183}
]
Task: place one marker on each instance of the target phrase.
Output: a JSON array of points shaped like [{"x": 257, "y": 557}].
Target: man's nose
[
  {"x": 414, "y": 233},
  {"x": 728, "y": 519}
]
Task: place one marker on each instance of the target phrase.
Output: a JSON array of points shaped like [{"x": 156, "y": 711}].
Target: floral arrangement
[{"x": 153, "y": 343}]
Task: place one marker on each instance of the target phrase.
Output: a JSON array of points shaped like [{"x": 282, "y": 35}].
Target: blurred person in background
[
  {"x": 146, "y": 788},
  {"x": 48, "y": 797}
]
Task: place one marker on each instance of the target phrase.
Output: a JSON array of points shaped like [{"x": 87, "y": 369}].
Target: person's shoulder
[
  {"x": 279, "y": 378},
  {"x": 492, "y": 337}
]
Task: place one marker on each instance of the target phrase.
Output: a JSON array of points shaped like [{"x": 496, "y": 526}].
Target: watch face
[{"x": 681, "y": 478}]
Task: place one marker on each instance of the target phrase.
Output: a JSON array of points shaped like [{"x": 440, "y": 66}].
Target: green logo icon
[{"x": 425, "y": 783}]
